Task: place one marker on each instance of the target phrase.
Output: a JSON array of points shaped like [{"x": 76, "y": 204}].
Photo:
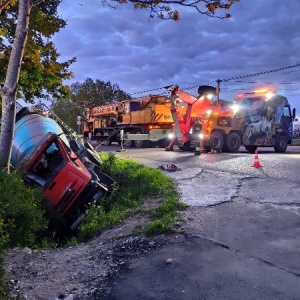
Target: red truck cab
[{"x": 66, "y": 181}]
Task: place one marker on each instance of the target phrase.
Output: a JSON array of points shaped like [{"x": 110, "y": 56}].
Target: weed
[
  {"x": 23, "y": 218},
  {"x": 136, "y": 184}
]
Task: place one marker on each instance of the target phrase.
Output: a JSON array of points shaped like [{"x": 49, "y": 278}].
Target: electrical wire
[{"x": 235, "y": 79}]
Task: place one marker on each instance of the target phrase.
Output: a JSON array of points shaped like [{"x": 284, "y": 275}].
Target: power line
[
  {"x": 261, "y": 73},
  {"x": 231, "y": 79}
]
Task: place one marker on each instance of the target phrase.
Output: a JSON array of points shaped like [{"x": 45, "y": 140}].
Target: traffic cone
[{"x": 256, "y": 163}]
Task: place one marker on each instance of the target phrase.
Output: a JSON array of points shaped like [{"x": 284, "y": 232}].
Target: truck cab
[
  {"x": 260, "y": 118},
  {"x": 67, "y": 171}
]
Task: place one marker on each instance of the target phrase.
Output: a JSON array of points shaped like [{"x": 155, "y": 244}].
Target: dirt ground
[{"x": 84, "y": 271}]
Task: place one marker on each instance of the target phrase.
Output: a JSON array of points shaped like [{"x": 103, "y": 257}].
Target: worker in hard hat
[{"x": 197, "y": 127}]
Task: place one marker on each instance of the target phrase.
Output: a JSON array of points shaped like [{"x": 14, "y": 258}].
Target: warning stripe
[{"x": 155, "y": 117}]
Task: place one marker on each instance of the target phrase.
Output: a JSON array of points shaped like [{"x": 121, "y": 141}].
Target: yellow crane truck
[{"x": 143, "y": 122}]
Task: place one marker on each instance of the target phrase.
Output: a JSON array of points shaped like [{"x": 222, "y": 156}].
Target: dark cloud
[{"x": 123, "y": 46}]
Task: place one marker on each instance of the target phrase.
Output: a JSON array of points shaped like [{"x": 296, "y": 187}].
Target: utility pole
[{"x": 218, "y": 88}]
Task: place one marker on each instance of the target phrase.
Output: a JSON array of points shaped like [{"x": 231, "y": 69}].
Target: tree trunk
[{"x": 8, "y": 90}]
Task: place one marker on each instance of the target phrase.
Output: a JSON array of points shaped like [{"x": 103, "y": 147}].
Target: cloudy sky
[{"x": 140, "y": 55}]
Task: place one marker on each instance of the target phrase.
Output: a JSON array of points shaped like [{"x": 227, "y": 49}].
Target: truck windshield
[
  {"x": 287, "y": 111},
  {"x": 50, "y": 159}
]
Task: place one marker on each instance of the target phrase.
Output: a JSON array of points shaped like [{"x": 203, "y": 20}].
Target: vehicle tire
[
  {"x": 107, "y": 143},
  {"x": 152, "y": 144},
  {"x": 281, "y": 144},
  {"x": 163, "y": 143},
  {"x": 186, "y": 147},
  {"x": 251, "y": 149},
  {"x": 216, "y": 141},
  {"x": 140, "y": 143},
  {"x": 127, "y": 143},
  {"x": 232, "y": 142}
]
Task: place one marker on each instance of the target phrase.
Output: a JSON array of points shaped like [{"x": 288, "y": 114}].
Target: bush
[
  {"x": 23, "y": 219},
  {"x": 136, "y": 184},
  {"x": 21, "y": 215},
  {"x": 21, "y": 212}
]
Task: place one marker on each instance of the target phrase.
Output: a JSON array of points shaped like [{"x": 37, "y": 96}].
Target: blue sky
[{"x": 123, "y": 46}]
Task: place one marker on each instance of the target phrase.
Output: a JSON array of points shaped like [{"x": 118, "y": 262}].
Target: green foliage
[
  {"x": 68, "y": 112},
  {"x": 136, "y": 184},
  {"x": 159, "y": 226},
  {"x": 164, "y": 215},
  {"x": 97, "y": 219},
  {"x": 41, "y": 74},
  {"x": 21, "y": 215},
  {"x": 92, "y": 93},
  {"x": 86, "y": 95}
]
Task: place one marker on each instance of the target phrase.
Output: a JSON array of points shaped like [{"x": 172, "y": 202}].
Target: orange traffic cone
[{"x": 256, "y": 163}]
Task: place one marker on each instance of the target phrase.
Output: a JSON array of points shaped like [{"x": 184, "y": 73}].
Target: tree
[
  {"x": 68, "y": 112},
  {"x": 161, "y": 8},
  {"x": 41, "y": 76},
  {"x": 85, "y": 95},
  {"x": 98, "y": 92}
]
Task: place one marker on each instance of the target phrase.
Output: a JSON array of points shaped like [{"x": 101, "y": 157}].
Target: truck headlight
[
  {"x": 201, "y": 136},
  {"x": 235, "y": 107},
  {"x": 170, "y": 136}
]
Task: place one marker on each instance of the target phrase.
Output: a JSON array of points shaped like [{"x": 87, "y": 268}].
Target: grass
[{"x": 135, "y": 185}]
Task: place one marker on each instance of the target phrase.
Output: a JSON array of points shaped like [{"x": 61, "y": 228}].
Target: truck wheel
[
  {"x": 281, "y": 144},
  {"x": 140, "y": 143},
  {"x": 186, "y": 146},
  {"x": 152, "y": 144},
  {"x": 251, "y": 149},
  {"x": 128, "y": 143},
  {"x": 163, "y": 143},
  {"x": 216, "y": 141},
  {"x": 232, "y": 142},
  {"x": 107, "y": 143}
]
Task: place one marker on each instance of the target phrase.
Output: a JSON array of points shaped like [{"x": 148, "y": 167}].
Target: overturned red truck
[{"x": 66, "y": 168}]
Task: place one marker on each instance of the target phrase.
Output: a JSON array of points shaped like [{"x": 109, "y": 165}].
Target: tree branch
[
  {"x": 165, "y": 9},
  {"x": 3, "y": 4},
  {"x": 37, "y": 2}
]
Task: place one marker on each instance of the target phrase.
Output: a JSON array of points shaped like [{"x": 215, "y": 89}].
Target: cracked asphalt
[{"x": 241, "y": 239}]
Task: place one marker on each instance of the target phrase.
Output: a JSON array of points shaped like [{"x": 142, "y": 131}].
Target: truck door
[{"x": 286, "y": 122}]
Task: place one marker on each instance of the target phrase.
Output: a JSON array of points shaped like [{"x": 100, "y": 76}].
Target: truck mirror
[{"x": 294, "y": 113}]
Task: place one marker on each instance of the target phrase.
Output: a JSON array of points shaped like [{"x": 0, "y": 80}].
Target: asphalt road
[{"x": 242, "y": 229}]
